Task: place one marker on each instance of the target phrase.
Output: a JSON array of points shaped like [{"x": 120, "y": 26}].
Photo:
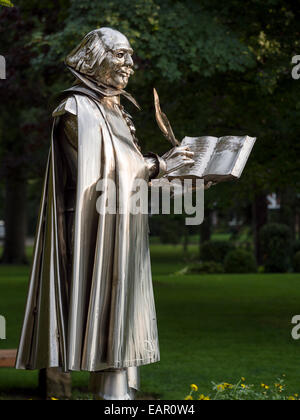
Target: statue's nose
[{"x": 129, "y": 60}]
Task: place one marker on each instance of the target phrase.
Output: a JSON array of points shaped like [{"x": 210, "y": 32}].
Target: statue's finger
[
  {"x": 179, "y": 149},
  {"x": 208, "y": 185},
  {"x": 188, "y": 162},
  {"x": 190, "y": 154}
]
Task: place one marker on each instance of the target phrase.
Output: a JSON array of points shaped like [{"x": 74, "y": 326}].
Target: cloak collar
[{"x": 90, "y": 88}]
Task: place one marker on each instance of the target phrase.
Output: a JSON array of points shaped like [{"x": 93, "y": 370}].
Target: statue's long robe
[{"x": 102, "y": 314}]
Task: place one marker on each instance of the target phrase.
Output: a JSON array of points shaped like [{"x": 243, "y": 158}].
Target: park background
[{"x": 226, "y": 291}]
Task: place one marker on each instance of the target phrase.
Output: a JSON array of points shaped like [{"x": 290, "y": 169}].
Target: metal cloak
[{"x": 103, "y": 315}]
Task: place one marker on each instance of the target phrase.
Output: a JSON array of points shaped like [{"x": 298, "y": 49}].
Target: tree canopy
[{"x": 220, "y": 68}]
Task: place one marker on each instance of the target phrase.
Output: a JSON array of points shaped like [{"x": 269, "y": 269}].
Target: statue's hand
[
  {"x": 209, "y": 184},
  {"x": 177, "y": 158}
]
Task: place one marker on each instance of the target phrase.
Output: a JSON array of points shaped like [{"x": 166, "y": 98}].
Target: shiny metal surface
[
  {"x": 111, "y": 319},
  {"x": 216, "y": 159},
  {"x": 103, "y": 59},
  {"x": 117, "y": 384},
  {"x": 90, "y": 304},
  {"x": 163, "y": 121}
]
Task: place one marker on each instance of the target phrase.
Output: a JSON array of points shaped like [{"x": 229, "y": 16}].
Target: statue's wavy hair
[{"x": 89, "y": 54}]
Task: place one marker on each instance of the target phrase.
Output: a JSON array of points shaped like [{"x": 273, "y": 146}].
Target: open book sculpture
[{"x": 216, "y": 159}]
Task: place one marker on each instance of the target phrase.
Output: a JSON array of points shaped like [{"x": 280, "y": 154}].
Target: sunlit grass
[{"x": 211, "y": 328}]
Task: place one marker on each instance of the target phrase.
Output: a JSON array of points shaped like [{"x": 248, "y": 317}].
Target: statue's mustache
[{"x": 126, "y": 70}]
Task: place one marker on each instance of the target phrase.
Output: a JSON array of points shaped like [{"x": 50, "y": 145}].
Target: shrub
[
  {"x": 169, "y": 236},
  {"x": 276, "y": 243},
  {"x": 296, "y": 246},
  {"x": 215, "y": 250},
  {"x": 240, "y": 261},
  {"x": 243, "y": 391},
  {"x": 171, "y": 229},
  {"x": 296, "y": 262},
  {"x": 207, "y": 267}
]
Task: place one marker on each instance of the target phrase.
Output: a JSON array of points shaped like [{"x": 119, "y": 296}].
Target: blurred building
[{"x": 2, "y": 230}]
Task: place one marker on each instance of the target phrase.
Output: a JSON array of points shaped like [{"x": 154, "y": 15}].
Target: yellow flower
[
  {"x": 194, "y": 387},
  {"x": 243, "y": 379},
  {"x": 54, "y": 399},
  {"x": 188, "y": 397},
  {"x": 243, "y": 386},
  {"x": 279, "y": 387},
  {"x": 220, "y": 387},
  {"x": 262, "y": 385},
  {"x": 291, "y": 398},
  {"x": 267, "y": 387},
  {"x": 227, "y": 385},
  {"x": 203, "y": 398},
  {"x": 296, "y": 395}
]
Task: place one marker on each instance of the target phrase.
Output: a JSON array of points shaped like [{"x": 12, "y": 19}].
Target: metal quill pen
[
  {"x": 163, "y": 122},
  {"x": 165, "y": 127}
]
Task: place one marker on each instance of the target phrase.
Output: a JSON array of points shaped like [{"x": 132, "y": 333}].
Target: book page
[
  {"x": 243, "y": 156},
  {"x": 225, "y": 155},
  {"x": 203, "y": 148}
]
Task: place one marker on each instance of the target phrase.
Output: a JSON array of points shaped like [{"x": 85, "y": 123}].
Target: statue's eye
[{"x": 120, "y": 55}]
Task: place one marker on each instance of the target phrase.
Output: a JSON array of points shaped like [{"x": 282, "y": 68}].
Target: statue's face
[
  {"x": 106, "y": 56},
  {"x": 116, "y": 68}
]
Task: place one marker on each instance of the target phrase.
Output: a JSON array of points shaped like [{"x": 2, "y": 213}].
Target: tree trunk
[
  {"x": 288, "y": 203},
  {"x": 185, "y": 240},
  {"x": 205, "y": 228},
  {"x": 260, "y": 218},
  {"x": 15, "y": 222}
]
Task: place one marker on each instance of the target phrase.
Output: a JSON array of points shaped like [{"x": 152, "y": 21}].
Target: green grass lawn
[{"x": 211, "y": 328}]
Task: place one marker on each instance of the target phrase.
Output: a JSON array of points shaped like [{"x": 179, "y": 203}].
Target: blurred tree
[
  {"x": 6, "y": 3},
  {"x": 25, "y": 123},
  {"x": 218, "y": 71}
]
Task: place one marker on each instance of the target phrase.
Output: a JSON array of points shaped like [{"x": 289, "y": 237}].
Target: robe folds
[{"x": 102, "y": 315}]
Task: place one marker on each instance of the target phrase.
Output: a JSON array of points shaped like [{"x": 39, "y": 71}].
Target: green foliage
[
  {"x": 217, "y": 71},
  {"x": 243, "y": 391},
  {"x": 169, "y": 236},
  {"x": 296, "y": 246},
  {"x": 276, "y": 241},
  {"x": 207, "y": 267},
  {"x": 296, "y": 262},
  {"x": 231, "y": 68},
  {"x": 176, "y": 47},
  {"x": 215, "y": 250},
  {"x": 240, "y": 261},
  {"x": 6, "y": 3},
  {"x": 169, "y": 228}
]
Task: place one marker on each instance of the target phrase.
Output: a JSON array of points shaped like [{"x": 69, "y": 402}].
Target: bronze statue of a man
[{"x": 90, "y": 304}]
